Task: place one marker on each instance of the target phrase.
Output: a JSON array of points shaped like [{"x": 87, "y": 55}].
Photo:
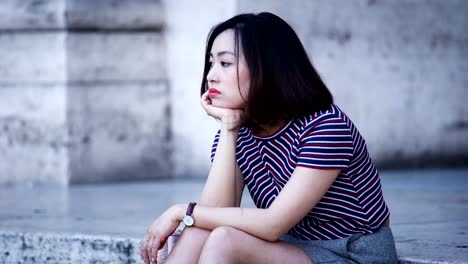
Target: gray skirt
[{"x": 378, "y": 247}]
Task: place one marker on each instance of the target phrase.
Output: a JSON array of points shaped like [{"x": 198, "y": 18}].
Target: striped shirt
[{"x": 325, "y": 140}]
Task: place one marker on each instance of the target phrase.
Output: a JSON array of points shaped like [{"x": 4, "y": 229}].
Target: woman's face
[{"x": 223, "y": 85}]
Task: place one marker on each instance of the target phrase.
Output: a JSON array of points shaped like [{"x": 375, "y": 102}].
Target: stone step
[{"x": 18, "y": 247}]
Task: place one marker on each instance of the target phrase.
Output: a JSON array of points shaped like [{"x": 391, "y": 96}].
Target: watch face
[{"x": 188, "y": 220}]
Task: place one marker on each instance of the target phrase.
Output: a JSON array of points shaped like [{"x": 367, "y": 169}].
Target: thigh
[
  {"x": 188, "y": 246},
  {"x": 246, "y": 248}
]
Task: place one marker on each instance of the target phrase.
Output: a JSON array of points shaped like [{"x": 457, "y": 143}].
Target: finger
[
  {"x": 154, "y": 248},
  {"x": 205, "y": 100},
  {"x": 205, "y": 103},
  {"x": 162, "y": 244},
  {"x": 211, "y": 110},
  {"x": 143, "y": 252},
  {"x": 205, "y": 96},
  {"x": 148, "y": 249}
]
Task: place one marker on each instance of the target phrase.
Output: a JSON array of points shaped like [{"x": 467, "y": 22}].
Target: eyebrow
[{"x": 223, "y": 53}]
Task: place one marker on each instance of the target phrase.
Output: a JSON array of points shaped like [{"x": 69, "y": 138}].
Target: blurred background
[{"x": 108, "y": 90}]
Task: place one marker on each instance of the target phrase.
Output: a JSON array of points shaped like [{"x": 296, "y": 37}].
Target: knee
[
  {"x": 219, "y": 245},
  {"x": 223, "y": 232},
  {"x": 221, "y": 237}
]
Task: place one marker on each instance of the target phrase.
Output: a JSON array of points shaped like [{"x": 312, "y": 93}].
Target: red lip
[{"x": 213, "y": 92}]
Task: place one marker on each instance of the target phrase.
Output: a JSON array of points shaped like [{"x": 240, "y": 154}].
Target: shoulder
[
  {"x": 325, "y": 119},
  {"x": 333, "y": 113}
]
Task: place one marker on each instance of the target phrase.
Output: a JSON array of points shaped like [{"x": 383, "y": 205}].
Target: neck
[{"x": 268, "y": 129}]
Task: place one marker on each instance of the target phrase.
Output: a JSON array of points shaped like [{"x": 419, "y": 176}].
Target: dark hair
[{"x": 283, "y": 82}]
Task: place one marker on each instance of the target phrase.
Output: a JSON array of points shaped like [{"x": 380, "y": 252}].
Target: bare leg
[
  {"x": 189, "y": 246},
  {"x": 230, "y": 245}
]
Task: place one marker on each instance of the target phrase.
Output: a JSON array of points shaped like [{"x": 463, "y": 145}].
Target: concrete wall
[
  {"x": 83, "y": 91},
  {"x": 398, "y": 68}
]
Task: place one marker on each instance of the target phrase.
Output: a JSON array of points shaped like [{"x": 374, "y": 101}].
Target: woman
[{"x": 305, "y": 164}]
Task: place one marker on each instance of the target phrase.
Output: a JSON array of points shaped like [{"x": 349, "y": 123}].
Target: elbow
[
  {"x": 274, "y": 232},
  {"x": 272, "y": 237},
  {"x": 277, "y": 235},
  {"x": 275, "y": 227}
]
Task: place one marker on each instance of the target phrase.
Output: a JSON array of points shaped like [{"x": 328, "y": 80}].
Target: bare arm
[
  {"x": 303, "y": 191},
  {"x": 225, "y": 182}
]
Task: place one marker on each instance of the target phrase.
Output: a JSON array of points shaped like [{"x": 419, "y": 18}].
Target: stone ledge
[
  {"x": 407, "y": 260},
  {"x": 18, "y": 247},
  {"x": 71, "y": 248}
]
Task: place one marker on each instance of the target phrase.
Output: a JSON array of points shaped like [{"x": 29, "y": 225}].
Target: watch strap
[{"x": 190, "y": 209}]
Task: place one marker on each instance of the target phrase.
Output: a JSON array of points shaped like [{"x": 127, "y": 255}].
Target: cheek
[{"x": 244, "y": 81}]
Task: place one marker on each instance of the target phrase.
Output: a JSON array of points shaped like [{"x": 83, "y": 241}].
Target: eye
[
  {"x": 225, "y": 64},
  {"x": 210, "y": 64}
]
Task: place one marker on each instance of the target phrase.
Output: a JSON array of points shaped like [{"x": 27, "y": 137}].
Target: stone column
[
  {"x": 83, "y": 91},
  {"x": 33, "y": 124},
  {"x": 118, "y": 93}
]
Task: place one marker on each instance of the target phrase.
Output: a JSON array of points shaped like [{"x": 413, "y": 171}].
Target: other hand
[{"x": 157, "y": 234}]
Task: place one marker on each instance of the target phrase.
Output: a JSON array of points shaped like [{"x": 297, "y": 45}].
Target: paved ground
[{"x": 429, "y": 214}]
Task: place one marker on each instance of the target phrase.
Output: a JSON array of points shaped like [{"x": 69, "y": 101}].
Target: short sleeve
[
  {"x": 327, "y": 144},
  {"x": 215, "y": 145}
]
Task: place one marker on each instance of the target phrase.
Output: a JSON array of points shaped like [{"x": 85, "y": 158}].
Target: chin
[
  {"x": 216, "y": 102},
  {"x": 229, "y": 106},
  {"x": 219, "y": 103}
]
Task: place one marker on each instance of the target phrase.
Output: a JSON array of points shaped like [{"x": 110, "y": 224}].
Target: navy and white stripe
[{"x": 326, "y": 140}]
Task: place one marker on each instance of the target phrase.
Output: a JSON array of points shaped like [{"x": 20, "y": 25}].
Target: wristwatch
[{"x": 188, "y": 219}]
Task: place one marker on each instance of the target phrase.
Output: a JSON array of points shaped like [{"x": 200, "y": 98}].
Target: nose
[{"x": 211, "y": 77}]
